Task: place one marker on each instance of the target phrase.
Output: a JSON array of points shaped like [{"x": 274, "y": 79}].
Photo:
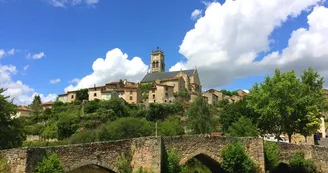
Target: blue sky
[{"x": 66, "y": 39}]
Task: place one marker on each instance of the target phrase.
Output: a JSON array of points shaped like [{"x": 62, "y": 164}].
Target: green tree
[
  {"x": 311, "y": 103},
  {"x": 124, "y": 128},
  {"x": 170, "y": 127},
  {"x": 84, "y": 136},
  {"x": 67, "y": 125},
  {"x": 11, "y": 130},
  {"x": 50, "y": 163},
  {"x": 271, "y": 155},
  {"x": 200, "y": 117},
  {"x": 275, "y": 99},
  {"x": 36, "y": 105},
  {"x": 82, "y": 94},
  {"x": 235, "y": 159},
  {"x": 50, "y": 131},
  {"x": 243, "y": 128},
  {"x": 173, "y": 161}
]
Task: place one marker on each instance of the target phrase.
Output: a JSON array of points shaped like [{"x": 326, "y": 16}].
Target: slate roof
[{"x": 149, "y": 77}]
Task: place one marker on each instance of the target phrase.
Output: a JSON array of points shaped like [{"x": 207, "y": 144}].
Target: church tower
[{"x": 157, "y": 61}]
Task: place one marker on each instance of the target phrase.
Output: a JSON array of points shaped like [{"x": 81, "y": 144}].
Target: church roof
[{"x": 149, "y": 77}]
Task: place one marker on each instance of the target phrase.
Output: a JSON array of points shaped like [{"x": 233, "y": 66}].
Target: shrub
[
  {"x": 171, "y": 127},
  {"x": 35, "y": 129},
  {"x": 271, "y": 155},
  {"x": 194, "y": 165},
  {"x": 43, "y": 143},
  {"x": 235, "y": 159},
  {"x": 124, "y": 165},
  {"x": 84, "y": 136},
  {"x": 67, "y": 125},
  {"x": 300, "y": 165},
  {"x": 50, "y": 163},
  {"x": 243, "y": 128},
  {"x": 4, "y": 167},
  {"x": 173, "y": 161},
  {"x": 51, "y": 131}
]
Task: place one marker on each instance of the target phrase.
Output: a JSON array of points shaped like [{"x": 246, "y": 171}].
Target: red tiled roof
[
  {"x": 23, "y": 109},
  {"x": 47, "y": 103}
]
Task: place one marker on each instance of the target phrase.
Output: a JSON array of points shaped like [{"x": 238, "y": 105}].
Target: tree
[
  {"x": 235, "y": 159},
  {"x": 36, "y": 105},
  {"x": 82, "y": 94},
  {"x": 50, "y": 163},
  {"x": 199, "y": 116},
  {"x": 243, "y": 128},
  {"x": 275, "y": 99},
  {"x": 67, "y": 125},
  {"x": 271, "y": 155},
  {"x": 171, "y": 127},
  {"x": 84, "y": 136},
  {"x": 311, "y": 102},
  {"x": 298, "y": 164},
  {"x": 11, "y": 130}
]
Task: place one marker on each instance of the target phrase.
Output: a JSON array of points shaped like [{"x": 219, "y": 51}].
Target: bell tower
[{"x": 157, "y": 61}]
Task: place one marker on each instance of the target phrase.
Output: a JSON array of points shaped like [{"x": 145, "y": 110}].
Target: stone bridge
[{"x": 148, "y": 153}]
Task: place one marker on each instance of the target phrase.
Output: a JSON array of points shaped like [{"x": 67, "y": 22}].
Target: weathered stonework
[{"x": 148, "y": 153}]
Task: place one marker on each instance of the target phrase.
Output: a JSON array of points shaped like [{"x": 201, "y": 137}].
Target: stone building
[
  {"x": 22, "y": 112},
  {"x": 46, "y": 105},
  {"x": 214, "y": 96},
  {"x": 161, "y": 94},
  {"x": 68, "y": 97},
  {"x": 178, "y": 80}
]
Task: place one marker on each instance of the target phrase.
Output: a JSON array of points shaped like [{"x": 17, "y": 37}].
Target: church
[{"x": 167, "y": 85}]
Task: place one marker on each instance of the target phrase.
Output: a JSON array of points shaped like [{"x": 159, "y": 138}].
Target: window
[
  {"x": 166, "y": 95},
  {"x": 95, "y": 94},
  {"x": 154, "y": 101},
  {"x": 72, "y": 97},
  {"x": 170, "y": 101},
  {"x": 131, "y": 92},
  {"x": 166, "y": 88},
  {"x": 153, "y": 96},
  {"x": 165, "y": 101},
  {"x": 130, "y": 97}
]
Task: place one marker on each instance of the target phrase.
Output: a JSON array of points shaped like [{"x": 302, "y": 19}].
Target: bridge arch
[
  {"x": 91, "y": 168},
  {"x": 211, "y": 161},
  {"x": 90, "y": 165}
]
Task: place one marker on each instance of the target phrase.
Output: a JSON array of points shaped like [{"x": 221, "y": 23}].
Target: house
[
  {"x": 211, "y": 96},
  {"x": 161, "y": 94},
  {"x": 22, "y": 112},
  {"x": 179, "y": 80},
  {"x": 47, "y": 105},
  {"x": 68, "y": 97},
  {"x": 62, "y": 98}
]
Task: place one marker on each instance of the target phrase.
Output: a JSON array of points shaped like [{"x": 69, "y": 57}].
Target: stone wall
[
  {"x": 17, "y": 159},
  {"x": 318, "y": 154}
]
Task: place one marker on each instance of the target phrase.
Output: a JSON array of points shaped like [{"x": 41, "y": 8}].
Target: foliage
[
  {"x": 91, "y": 106},
  {"x": 4, "y": 167},
  {"x": 84, "y": 136},
  {"x": 142, "y": 170},
  {"x": 82, "y": 94},
  {"x": 11, "y": 130},
  {"x": 243, "y": 128},
  {"x": 173, "y": 161},
  {"x": 50, "y": 163},
  {"x": 235, "y": 159},
  {"x": 67, "y": 125},
  {"x": 271, "y": 155},
  {"x": 182, "y": 94},
  {"x": 36, "y": 105},
  {"x": 50, "y": 131},
  {"x": 123, "y": 128},
  {"x": 162, "y": 111},
  {"x": 195, "y": 165},
  {"x": 124, "y": 165},
  {"x": 229, "y": 93},
  {"x": 300, "y": 165},
  {"x": 199, "y": 117},
  {"x": 43, "y": 143},
  {"x": 170, "y": 127},
  {"x": 230, "y": 113}
]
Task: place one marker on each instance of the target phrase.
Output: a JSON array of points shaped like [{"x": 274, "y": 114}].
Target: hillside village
[{"x": 157, "y": 86}]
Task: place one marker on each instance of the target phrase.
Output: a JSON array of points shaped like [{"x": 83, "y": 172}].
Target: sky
[{"x": 48, "y": 47}]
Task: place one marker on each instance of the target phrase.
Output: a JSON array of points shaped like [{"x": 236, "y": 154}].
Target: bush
[
  {"x": 67, "y": 126},
  {"x": 4, "y": 167},
  {"x": 124, "y": 128},
  {"x": 124, "y": 165},
  {"x": 84, "y": 136},
  {"x": 300, "y": 165},
  {"x": 35, "y": 129},
  {"x": 50, "y": 163},
  {"x": 235, "y": 159},
  {"x": 51, "y": 131},
  {"x": 30, "y": 144},
  {"x": 194, "y": 165},
  {"x": 170, "y": 127},
  {"x": 243, "y": 128},
  {"x": 173, "y": 162},
  {"x": 271, "y": 155}
]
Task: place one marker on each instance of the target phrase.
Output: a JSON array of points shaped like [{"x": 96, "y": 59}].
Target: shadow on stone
[
  {"x": 281, "y": 168},
  {"x": 91, "y": 169}
]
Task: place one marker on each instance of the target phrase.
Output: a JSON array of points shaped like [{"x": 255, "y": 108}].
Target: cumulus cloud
[
  {"x": 196, "y": 14},
  {"x": 224, "y": 42},
  {"x": 36, "y": 56},
  {"x": 10, "y": 52},
  {"x": 113, "y": 67},
  {"x": 2, "y": 53},
  {"x": 54, "y": 81},
  {"x": 64, "y": 3},
  {"x": 75, "y": 80},
  {"x": 19, "y": 92},
  {"x": 26, "y": 67}
]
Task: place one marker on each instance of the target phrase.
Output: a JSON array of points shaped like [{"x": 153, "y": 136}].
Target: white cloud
[
  {"x": 54, "y": 81},
  {"x": 196, "y": 14},
  {"x": 64, "y": 3},
  {"x": 75, "y": 80},
  {"x": 37, "y": 55},
  {"x": 19, "y": 92},
  {"x": 115, "y": 66},
  {"x": 2, "y": 53},
  {"x": 225, "y": 42},
  {"x": 26, "y": 67},
  {"x": 10, "y": 52}
]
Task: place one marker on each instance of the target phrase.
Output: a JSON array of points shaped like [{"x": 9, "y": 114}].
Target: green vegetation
[
  {"x": 170, "y": 127},
  {"x": 50, "y": 163},
  {"x": 300, "y": 165},
  {"x": 271, "y": 155},
  {"x": 4, "y": 167},
  {"x": 11, "y": 130},
  {"x": 229, "y": 93},
  {"x": 243, "y": 128},
  {"x": 82, "y": 94},
  {"x": 124, "y": 165},
  {"x": 235, "y": 159}
]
